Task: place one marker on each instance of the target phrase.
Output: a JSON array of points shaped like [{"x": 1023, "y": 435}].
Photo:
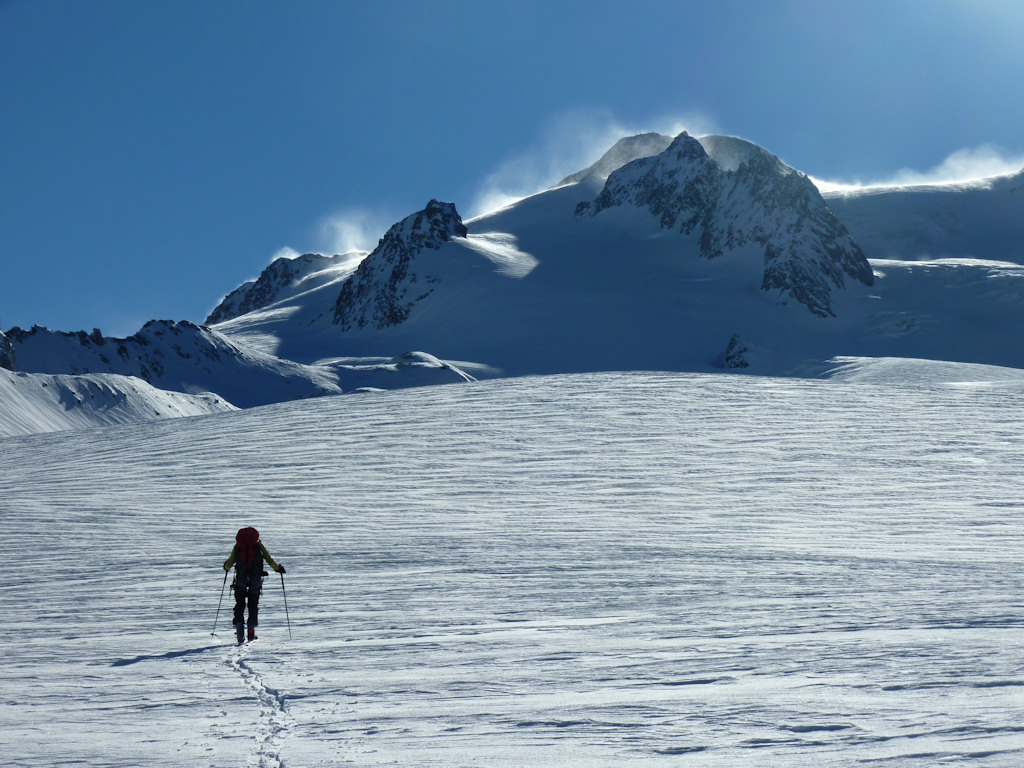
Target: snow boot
[
  {"x": 252, "y": 634},
  {"x": 240, "y": 632}
]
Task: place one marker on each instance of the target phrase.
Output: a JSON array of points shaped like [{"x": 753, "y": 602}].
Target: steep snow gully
[{"x": 585, "y": 570}]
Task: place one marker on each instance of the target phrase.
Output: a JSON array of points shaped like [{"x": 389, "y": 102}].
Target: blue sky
[{"x": 156, "y": 154}]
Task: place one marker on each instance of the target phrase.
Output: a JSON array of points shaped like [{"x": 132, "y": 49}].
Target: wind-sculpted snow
[
  {"x": 284, "y": 278},
  {"x": 747, "y": 198},
  {"x": 625, "y": 150},
  {"x": 607, "y": 569}
]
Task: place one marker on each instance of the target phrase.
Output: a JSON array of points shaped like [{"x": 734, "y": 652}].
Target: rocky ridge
[{"x": 387, "y": 283}]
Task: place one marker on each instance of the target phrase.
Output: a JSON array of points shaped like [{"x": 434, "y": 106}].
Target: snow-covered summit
[
  {"x": 730, "y": 152},
  {"x": 386, "y": 285},
  {"x": 738, "y": 196}
]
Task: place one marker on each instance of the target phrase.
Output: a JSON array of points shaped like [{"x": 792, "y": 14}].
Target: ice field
[{"x": 580, "y": 570}]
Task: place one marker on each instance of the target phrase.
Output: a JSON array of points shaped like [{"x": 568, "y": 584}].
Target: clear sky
[{"x": 154, "y": 155}]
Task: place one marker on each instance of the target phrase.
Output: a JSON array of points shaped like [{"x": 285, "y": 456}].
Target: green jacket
[{"x": 266, "y": 556}]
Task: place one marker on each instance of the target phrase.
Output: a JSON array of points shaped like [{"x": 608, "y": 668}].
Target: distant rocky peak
[
  {"x": 429, "y": 228},
  {"x": 388, "y": 284},
  {"x": 625, "y": 150},
  {"x": 6, "y": 353},
  {"x": 734, "y": 194}
]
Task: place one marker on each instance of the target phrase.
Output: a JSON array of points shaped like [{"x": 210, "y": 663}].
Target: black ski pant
[{"x": 247, "y": 594}]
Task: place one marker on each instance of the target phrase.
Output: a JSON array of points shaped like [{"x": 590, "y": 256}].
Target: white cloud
[
  {"x": 568, "y": 143},
  {"x": 964, "y": 165}
]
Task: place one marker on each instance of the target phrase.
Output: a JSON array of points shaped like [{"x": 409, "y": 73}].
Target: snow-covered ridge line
[
  {"x": 176, "y": 356},
  {"x": 282, "y": 279}
]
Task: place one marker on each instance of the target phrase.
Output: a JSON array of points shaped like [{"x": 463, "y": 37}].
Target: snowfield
[{"x": 579, "y": 570}]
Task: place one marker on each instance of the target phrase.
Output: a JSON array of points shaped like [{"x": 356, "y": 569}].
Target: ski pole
[
  {"x": 222, "y": 586},
  {"x": 285, "y": 595}
]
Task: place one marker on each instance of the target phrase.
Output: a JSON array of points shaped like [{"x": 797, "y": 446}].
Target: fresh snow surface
[
  {"x": 33, "y": 402},
  {"x": 587, "y": 570}
]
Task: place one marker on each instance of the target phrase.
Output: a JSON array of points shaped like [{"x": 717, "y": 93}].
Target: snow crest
[
  {"x": 34, "y": 403},
  {"x": 625, "y": 150}
]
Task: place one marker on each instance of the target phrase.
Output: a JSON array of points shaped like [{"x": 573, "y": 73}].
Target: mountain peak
[
  {"x": 381, "y": 292},
  {"x": 735, "y": 194}
]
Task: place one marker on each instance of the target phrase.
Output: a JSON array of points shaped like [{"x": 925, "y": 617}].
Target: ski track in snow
[
  {"x": 273, "y": 713},
  {"x": 590, "y": 570}
]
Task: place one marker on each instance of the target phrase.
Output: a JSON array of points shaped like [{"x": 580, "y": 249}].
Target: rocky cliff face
[
  {"x": 388, "y": 284},
  {"x": 6, "y": 353},
  {"x": 739, "y": 195}
]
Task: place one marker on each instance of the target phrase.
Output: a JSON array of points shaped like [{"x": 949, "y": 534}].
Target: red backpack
[{"x": 247, "y": 541}]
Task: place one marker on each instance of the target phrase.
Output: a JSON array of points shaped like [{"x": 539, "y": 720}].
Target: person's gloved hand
[{"x": 280, "y": 569}]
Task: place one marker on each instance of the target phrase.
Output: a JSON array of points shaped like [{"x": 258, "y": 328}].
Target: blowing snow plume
[
  {"x": 569, "y": 142},
  {"x": 963, "y": 166}
]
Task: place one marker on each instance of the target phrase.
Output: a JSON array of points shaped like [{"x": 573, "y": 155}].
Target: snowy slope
[
  {"x": 609, "y": 569},
  {"x": 34, "y": 402},
  {"x": 625, "y": 150},
  {"x": 978, "y": 220}
]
